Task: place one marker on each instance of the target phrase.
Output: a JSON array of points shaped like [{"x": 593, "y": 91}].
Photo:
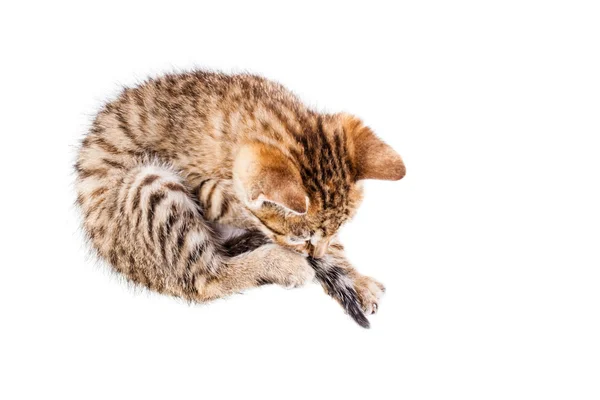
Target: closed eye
[{"x": 296, "y": 240}]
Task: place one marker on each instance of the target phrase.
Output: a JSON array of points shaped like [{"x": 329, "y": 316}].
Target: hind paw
[{"x": 369, "y": 293}]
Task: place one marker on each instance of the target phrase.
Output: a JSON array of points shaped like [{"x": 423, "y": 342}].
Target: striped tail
[{"x": 338, "y": 285}]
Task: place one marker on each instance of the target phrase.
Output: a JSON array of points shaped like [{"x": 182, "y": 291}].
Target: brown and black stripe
[{"x": 154, "y": 177}]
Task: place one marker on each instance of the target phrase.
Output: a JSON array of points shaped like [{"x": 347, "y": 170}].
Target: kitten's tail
[{"x": 338, "y": 285}]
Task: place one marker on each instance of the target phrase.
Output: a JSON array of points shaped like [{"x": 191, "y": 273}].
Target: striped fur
[{"x": 173, "y": 163}]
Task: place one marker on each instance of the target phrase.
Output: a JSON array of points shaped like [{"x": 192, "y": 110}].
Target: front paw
[
  {"x": 369, "y": 293},
  {"x": 287, "y": 268},
  {"x": 301, "y": 275}
]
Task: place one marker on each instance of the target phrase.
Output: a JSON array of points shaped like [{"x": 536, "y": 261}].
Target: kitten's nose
[{"x": 318, "y": 250}]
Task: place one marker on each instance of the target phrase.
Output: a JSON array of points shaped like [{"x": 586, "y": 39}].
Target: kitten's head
[{"x": 302, "y": 188}]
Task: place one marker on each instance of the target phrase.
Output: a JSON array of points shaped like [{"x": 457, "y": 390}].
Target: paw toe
[{"x": 369, "y": 292}]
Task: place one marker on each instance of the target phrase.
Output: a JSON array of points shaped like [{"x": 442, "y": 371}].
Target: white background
[{"x": 489, "y": 247}]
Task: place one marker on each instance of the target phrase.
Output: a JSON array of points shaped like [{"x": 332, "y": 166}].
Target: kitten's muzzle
[{"x": 318, "y": 250}]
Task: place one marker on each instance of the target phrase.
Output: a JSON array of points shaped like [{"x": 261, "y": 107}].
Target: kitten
[{"x": 201, "y": 184}]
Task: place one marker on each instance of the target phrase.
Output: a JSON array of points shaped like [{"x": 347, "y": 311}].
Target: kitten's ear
[
  {"x": 262, "y": 173},
  {"x": 373, "y": 158}
]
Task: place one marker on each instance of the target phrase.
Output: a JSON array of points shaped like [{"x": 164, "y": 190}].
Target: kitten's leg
[
  {"x": 355, "y": 292},
  {"x": 267, "y": 264}
]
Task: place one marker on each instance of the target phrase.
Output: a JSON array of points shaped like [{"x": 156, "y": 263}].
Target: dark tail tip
[{"x": 357, "y": 315}]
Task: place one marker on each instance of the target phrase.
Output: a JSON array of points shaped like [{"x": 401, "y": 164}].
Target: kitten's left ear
[
  {"x": 262, "y": 173},
  {"x": 373, "y": 158}
]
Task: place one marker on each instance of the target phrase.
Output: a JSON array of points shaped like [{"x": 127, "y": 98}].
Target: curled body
[{"x": 200, "y": 185}]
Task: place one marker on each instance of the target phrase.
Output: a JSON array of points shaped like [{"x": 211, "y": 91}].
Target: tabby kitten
[{"x": 201, "y": 184}]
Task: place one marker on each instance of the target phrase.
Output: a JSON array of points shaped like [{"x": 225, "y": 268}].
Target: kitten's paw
[
  {"x": 302, "y": 275},
  {"x": 287, "y": 268},
  {"x": 369, "y": 293}
]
